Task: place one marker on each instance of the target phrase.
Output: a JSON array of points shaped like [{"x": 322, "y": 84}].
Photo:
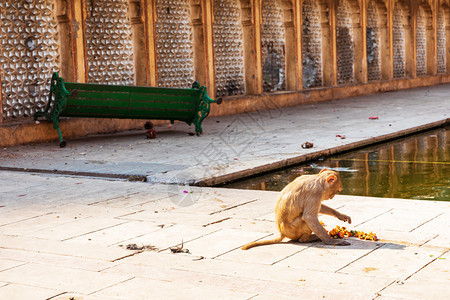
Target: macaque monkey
[{"x": 298, "y": 207}]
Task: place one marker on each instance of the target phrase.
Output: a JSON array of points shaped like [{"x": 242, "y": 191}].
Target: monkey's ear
[
  {"x": 331, "y": 179},
  {"x": 323, "y": 170}
]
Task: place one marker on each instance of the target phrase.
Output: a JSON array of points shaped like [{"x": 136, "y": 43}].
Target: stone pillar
[
  {"x": 251, "y": 28},
  {"x": 390, "y": 4},
  {"x": 413, "y": 57},
  {"x": 257, "y": 20},
  {"x": 77, "y": 20},
  {"x": 362, "y": 66},
  {"x": 332, "y": 15},
  {"x": 150, "y": 41},
  {"x": 137, "y": 20},
  {"x": 298, "y": 24},
  {"x": 434, "y": 37},
  {"x": 208, "y": 42}
]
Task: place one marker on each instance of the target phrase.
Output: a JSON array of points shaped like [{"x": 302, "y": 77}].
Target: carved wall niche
[
  {"x": 273, "y": 46},
  {"x": 229, "y": 46},
  {"x": 29, "y": 54},
  {"x": 174, "y": 43},
  {"x": 344, "y": 43},
  {"x": 443, "y": 37},
  {"x": 424, "y": 40},
  {"x": 311, "y": 44},
  {"x": 377, "y": 46},
  {"x": 402, "y": 40},
  {"x": 109, "y": 42}
]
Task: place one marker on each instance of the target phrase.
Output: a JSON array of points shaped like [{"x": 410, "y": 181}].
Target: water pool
[{"x": 414, "y": 167}]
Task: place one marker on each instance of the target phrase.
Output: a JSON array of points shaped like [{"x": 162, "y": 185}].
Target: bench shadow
[{"x": 124, "y": 136}]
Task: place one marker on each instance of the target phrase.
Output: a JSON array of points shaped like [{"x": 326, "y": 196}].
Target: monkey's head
[{"x": 333, "y": 182}]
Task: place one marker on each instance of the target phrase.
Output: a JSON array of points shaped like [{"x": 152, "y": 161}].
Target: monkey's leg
[{"x": 306, "y": 235}]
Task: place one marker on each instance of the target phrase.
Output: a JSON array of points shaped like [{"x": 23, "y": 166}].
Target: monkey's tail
[{"x": 261, "y": 243}]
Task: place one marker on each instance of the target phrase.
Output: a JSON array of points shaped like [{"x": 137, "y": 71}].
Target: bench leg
[
  {"x": 198, "y": 128},
  {"x": 62, "y": 142}
]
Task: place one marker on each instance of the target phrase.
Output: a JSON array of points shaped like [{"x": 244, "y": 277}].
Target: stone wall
[
  {"x": 344, "y": 43},
  {"x": 373, "y": 42},
  {"x": 311, "y": 45},
  {"x": 228, "y": 48},
  {"x": 243, "y": 50},
  {"x": 441, "y": 42},
  {"x": 421, "y": 43},
  {"x": 109, "y": 44},
  {"x": 273, "y": 47},
  {"x": 29, "y": 54},
  {"x": 174, "y": 44},
  {"x": 398, "y": 42}
]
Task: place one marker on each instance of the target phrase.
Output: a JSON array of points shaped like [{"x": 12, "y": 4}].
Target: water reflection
[{"x": 415, "y": 167}]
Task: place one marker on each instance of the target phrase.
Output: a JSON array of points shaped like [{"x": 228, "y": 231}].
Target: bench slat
[
  {"x": 70, "y": 86},
  {"x": 102, "y": 112},
  {"x": 101, "y": 95},
  {"x": 98, "y": 102},
  {"x": 164, "y": 98},
  {"x": 112, "y": 103}
]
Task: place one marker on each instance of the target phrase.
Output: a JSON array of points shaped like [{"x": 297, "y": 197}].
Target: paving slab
[
  {"x": 139, "y": 288},
  {"x": 393, "y": 261},
  {"x": 63, "y": 279},
  {"x": 21, "y": 291},
  {"x": 14, "y": 257},
  {"x": 69, "y": 248},
  {"x": 8, "y": 264}
]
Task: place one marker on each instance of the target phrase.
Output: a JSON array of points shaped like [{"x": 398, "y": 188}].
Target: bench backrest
[{"x": 110, "y": 101}]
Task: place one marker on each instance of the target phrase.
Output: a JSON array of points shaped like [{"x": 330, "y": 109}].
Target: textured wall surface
[
  {"x": 373, "y": 43},
  {"x": 29, "y": 54},
  {"x": 344, "y": 43},
  {"x": 273, "y": 51},
  {"x": 174, "y": 43},
  {"x": 228, "y": 48},
  {"x": 421, "y": 43},
  {"x": 311, "y": 45},
  {"x": 441, "y": 42},
  {"x": 108, "y": 42},
  {"x": 399, "y": 42}
]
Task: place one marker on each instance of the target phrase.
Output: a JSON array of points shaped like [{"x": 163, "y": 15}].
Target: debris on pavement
[
  {"x": 307, "y": 145},
  {"x": 179, "y": 249},
  {"x": 140, "y": 248}
]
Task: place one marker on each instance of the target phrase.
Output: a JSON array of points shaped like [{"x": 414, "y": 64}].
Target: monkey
[{"x": 298, "y": 207}]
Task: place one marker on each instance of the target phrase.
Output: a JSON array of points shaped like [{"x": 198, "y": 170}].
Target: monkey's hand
[
  {"x": 337, "y": 242},
  {"x": 345, "y": 218},
  {"x": 342, "y": 243}
]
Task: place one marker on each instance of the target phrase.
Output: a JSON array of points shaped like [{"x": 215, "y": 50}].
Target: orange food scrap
[{"x": 341, "y": 232}]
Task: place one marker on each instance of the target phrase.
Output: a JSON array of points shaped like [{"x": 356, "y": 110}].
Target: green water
[{"x": 415, "y": 167}]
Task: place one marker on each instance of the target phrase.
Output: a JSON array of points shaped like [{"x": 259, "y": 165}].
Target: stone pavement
[
  {"x": 64, "y": 237},
  {"x": 240, "y": 145},
  {"x": 64, "y": 231}
]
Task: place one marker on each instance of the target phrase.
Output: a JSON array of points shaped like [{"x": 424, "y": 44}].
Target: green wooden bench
[{"x": 68, "y": 99}]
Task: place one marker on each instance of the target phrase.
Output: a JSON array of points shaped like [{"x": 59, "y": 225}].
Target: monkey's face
[{"x": 334, "y": 185}]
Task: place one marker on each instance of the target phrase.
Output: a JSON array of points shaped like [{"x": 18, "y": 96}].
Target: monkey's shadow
[{"x": 354, "y": 244}]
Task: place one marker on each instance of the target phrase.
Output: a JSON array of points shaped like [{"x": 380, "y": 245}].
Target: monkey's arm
[
  {"x": 310, "y": 216},
  {"x": 332, "y": 212}
]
